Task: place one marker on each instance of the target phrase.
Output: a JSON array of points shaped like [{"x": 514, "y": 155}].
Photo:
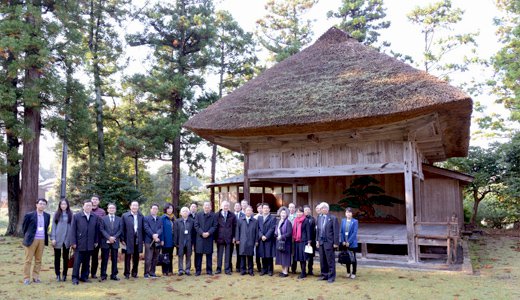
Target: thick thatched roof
[{"x": 337, "y": 83}]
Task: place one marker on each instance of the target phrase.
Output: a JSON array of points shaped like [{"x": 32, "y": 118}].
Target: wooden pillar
[
  {"x": 245, "y": 151},
  {"x": 294, "y": 194},
  {"x": 409, "y": 202}
]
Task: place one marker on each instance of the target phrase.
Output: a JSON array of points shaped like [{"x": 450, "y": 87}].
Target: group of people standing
[{"x": 290, "y": 237}]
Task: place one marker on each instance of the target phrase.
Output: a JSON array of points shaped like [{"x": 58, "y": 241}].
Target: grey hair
[
  {"x": 283, "y": 208},
  {"x": 185, "y": 209},
  {"x": 324, "y": 204}
]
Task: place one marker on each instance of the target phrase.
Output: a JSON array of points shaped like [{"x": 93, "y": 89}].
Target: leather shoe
[
  {"x": 243, "y": 273},
  {"x": 58, "y": 278},
  {"x": 322, "y": 278},
  {"x": 102, "y": 278},
  {"x": 115, "y": 278},
  {"x": 94, "y": 277},
  {"x": 218, "y": 272},
  {"x": 64, "y": 278},
  {"x": 330, "y": 280},
  {"x": 127, "y": 276},
  {"x": 252, "y": 274},
  {"x": 197, "y": 273},
  {"x": 75, "y": 282},
  {"x": 209, "y": 273}
]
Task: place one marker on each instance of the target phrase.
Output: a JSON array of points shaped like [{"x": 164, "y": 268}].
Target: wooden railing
[{"x": 445, "y": 234}]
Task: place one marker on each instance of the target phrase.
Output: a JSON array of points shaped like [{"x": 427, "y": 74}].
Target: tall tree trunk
[
  {"x": 476, "y": 202},
  {"x": 64, "y": 152},
  {"x": 176, "y": 171},
  {"x": 32, "y": 121},
  {"x": 136, "y": 167},
  {"x": 94, "y": 25},
  {"x": 213, "y": 171},
  {"x": 215, "y": 148}
]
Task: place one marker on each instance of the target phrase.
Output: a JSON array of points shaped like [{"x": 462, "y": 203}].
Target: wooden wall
[
  {"x": 297, "y": 156},
  {"x": 441, "y": 198}
]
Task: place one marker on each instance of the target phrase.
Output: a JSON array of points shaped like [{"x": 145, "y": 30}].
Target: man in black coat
[
  {"x": 132, "y": 238},
  {"x": 266, "y": 240},
  {"x": 182, "y": 233},
  {"x": 205, "y": 225},
  {"x": 327, "y": 238},
  {"x": 111, "y": 230},
  {"x": 312, "y": 223},
  {"x": 194, "y": 207},
  {"x": 83, "y": 239},
  {"x": 247, "y": 239},
  {"x": 239, "y": 214},
  {"x": 225, "y": 237},
  {"x": 152, "y": 242},
  {"x": 35, "y": 238}
]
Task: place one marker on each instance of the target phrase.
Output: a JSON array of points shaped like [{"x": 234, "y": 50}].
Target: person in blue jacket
[
  {"x": 348, "y": 238},
  {"x": 168, "y": 219}
]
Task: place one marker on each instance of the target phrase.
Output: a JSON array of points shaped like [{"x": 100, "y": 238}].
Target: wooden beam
[
  {"x": 409, "y": 201},
  {"x": 345, "y": 170}
]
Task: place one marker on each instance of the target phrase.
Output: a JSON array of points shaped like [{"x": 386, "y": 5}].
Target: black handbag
[
  {"x": 163, "y": 259},
  {"x": 344, "y": 258},
  {"x": 280, "y": 245}
]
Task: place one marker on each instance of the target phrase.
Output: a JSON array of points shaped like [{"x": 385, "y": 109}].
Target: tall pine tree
[
  {"x": 284, "y": 31},
  {"x": 179, "y": 34},
  {"x": 361, "y": 19}
]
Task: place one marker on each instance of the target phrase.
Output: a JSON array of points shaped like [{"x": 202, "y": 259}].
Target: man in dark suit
[
  {"x": 192, "y": 214},
  {"x": 35, "y": 238},
  {"x": 182, "y": 230},
  {"x": 206, "y": 225},
  {"x": 83, "y": 239},
  {"x": 111, "y": 229},
  {"x": 267, "y": 241},
  {"x": 152, "y": 241},
  {"x": 247, "y": 238},
  {"x": 239, "y": 214},
  {"x": 327, "y": 236},
  {"x": 225, "y": 237},
  {"x": 132, "y": 238},
  {"x": 100, "y": 213}
]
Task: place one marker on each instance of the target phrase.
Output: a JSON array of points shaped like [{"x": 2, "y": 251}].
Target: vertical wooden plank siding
[
  {"x": 294, "y": 194},
  {"x": 417, "y": 197},
  {"x": 408, "y": 191}
]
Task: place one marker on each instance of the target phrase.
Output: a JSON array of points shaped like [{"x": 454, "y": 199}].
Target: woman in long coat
[
  {"x": 301, "y": 235},
  {"x": 283, "y": 233},
  {"x": 246, "y": 236},
  {"x": 60, "y": 238},
  {"x": 168, "y": 219}
]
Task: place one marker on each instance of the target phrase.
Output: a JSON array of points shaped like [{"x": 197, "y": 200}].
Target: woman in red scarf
[{"x": 301, "y": 233}]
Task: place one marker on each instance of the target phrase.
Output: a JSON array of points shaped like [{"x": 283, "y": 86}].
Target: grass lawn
[{"x": 496, "y": 263}]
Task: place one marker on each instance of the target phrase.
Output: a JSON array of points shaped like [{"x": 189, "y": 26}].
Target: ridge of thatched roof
[{"x": 337, "y": 83}]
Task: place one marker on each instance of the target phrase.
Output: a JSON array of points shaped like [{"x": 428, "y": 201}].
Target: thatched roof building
[
  {"x": 337, "y": 83},
  {"x": 313, "y": 123}
]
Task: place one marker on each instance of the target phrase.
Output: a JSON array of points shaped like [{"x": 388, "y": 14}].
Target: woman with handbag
[
  {"x": 348, "y": 239},
  {"x": 166, "y": 256},
  {"x": 283, "y": 235},
  {"x": 60, "y": 238},
  {"x": 301, "y": 234}
]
